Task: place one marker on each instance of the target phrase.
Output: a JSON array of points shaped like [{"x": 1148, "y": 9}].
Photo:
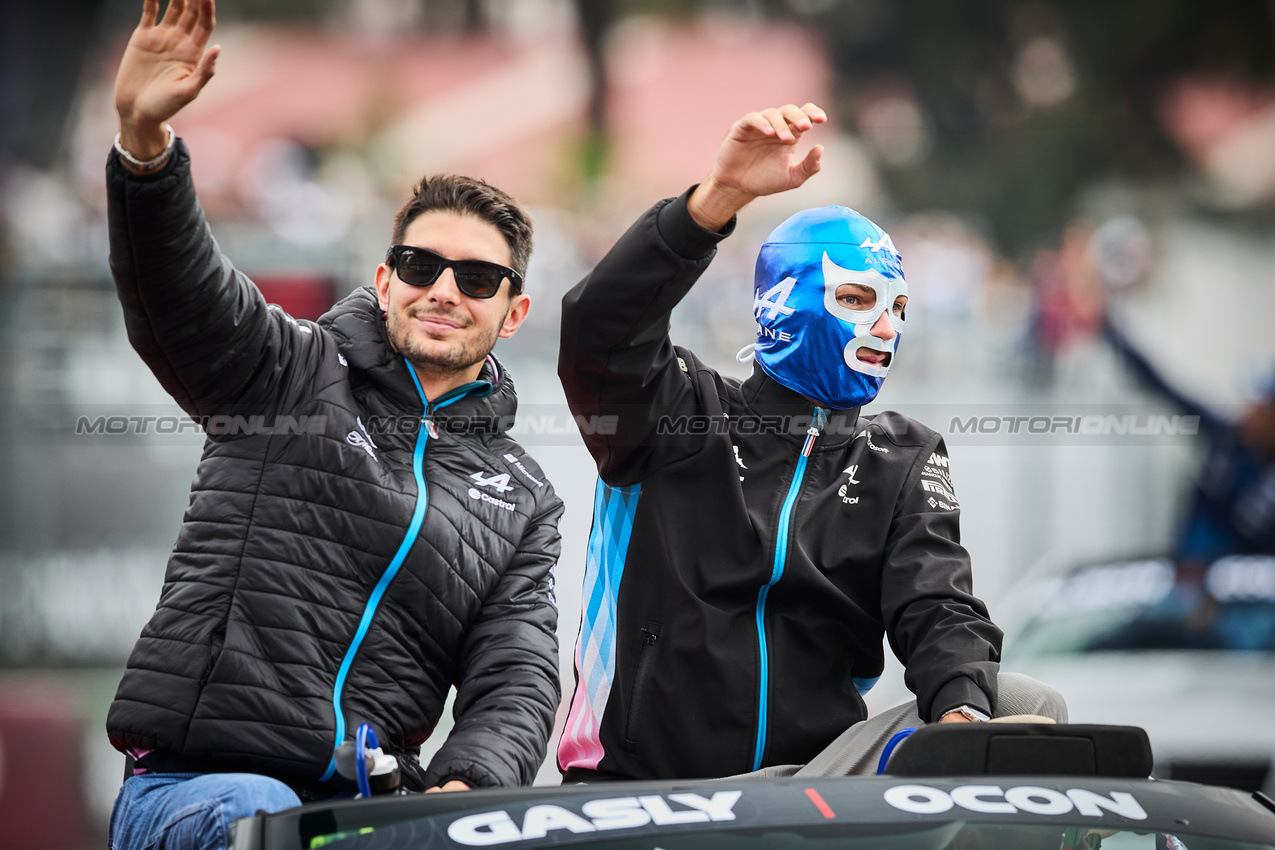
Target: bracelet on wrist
[
  {"x": 969, "y": 713},
  {"x": 150, "y": 166}
]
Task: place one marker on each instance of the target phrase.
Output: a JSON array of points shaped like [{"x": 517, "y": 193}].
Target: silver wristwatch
[{"x": 969, "y": 713}]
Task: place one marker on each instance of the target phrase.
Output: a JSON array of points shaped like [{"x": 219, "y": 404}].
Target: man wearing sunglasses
[{"x": 361, "y": 534}]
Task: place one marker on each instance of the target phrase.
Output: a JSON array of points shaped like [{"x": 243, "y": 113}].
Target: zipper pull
[
  {"x": 649, "y": 637},
  {"x": 428, "y": 421},
  {"x": 817, "y": 423}
]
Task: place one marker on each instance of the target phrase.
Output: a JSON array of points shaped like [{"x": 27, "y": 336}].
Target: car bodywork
[{"x": 855, "y": 812}]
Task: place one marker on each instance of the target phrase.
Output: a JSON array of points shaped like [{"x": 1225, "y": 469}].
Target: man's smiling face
[{"x": 444, "y": 333}]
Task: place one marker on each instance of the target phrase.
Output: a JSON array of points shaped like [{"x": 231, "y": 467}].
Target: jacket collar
[
  {"x": 767, "y": 397},
  {"x": 356, "y": 324}
]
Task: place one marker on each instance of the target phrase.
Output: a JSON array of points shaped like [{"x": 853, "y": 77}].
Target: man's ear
[
  {"x": 518, "y": 307},
  {"x": 383, "y": 275}
]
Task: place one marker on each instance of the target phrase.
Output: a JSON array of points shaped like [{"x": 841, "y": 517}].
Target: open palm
[
  {"x": 758, "y": 156},
  {"x": 165, "y": 64}
]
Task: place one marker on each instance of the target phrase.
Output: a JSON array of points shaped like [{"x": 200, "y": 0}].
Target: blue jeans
[{"x": 190, "y": 811}]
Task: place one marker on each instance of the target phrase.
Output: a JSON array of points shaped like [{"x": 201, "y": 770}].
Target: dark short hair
[{"x": 470, "y": 196}]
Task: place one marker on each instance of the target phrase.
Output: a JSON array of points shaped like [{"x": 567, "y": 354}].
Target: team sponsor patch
[
  {"x": 940, "y": 474},
  {"x": 499, "y": 483},
  {"x": 867, "y": 435},
  {"x": 526, "y": 473},
  {"x": 362, "y": 440},
  {"x": 475, "y": 493},
  {"x": 938, "y": 488}
]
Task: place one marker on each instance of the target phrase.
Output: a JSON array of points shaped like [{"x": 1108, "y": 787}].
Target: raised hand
[
  {"x": 757, "y": 158},
  {"x": 165, "y": 66}
]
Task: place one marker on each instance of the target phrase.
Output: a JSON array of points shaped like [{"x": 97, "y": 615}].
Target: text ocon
[{"x": 993, "y": 800}]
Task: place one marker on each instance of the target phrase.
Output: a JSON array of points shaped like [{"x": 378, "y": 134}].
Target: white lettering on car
[
  {"x": 664, "y": 816},
  {"x": 539, "y": 820},
  {"x": 617, "y": 813},
  {"x": 484, "y": 829},
  {"x": 1121, "y": 803},
  {"x": 720, "y": 807},
  {"x": 488, "y": 828},
  {"x": 932, "y": 802},
  {"x": 971, "y": 797},
  {"x": 924, "y": 800},
  {"x": 1038, "y": 801}
]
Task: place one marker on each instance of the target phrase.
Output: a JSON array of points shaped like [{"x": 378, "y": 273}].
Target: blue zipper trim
[
  {"x": 776, "y": 573},
  {"x": 413, "y": 528}
]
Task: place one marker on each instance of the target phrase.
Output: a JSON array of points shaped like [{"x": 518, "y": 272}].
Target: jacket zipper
[
  {"x": 423, "y": 435},
  {"x": 818, "y": 420},
  {"x": 650, "y": 634}
]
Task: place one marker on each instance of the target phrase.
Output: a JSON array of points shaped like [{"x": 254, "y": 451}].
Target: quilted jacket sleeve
[
  {"x": 616, "y": 359},
  {"x": 201, "y": 326},
  {"x": 509, "y": 691}
]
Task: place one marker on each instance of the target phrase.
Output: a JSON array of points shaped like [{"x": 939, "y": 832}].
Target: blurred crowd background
[{"x": 1048, "y": 169}]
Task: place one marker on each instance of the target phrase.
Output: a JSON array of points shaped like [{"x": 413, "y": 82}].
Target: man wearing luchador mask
[{"x": 753, "y": 541}]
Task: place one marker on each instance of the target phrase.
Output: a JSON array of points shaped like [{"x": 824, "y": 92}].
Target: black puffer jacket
[
  {"x": 295, "y": 585},
  {"x": 742, "y": 571}
]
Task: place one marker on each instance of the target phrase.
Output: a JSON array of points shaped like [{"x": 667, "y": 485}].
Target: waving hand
[
  {"x": 757, "y": 157},
  {"x": 165, "y": 66}
]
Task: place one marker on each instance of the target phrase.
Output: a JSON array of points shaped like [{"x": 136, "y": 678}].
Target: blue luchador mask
[{"x": 806, "y": 339}]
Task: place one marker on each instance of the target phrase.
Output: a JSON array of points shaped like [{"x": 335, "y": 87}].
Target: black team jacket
[
  {"x": 737, "y": 590},
  {"x": 338, "y": 562}
]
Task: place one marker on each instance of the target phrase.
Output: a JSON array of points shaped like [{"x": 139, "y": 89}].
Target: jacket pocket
[
  {"x": 215, "y": 643},
  {"x": 646, "y": 655}
]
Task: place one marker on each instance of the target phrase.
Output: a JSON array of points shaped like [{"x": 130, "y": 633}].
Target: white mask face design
[{"x": 887, "y": 291}]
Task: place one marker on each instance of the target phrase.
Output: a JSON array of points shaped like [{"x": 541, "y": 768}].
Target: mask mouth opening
[{"x": 872, "y": 357}]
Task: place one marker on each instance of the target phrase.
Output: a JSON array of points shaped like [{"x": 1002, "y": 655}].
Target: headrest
[{"x": 1023, "y": 749}]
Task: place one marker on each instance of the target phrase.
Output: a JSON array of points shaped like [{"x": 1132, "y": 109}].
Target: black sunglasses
[{"x": 475, "y": 278}]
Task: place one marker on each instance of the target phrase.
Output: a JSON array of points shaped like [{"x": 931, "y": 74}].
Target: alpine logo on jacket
[
  {"x": 850, "y": 471},
  {"x": 499, "y": 483}
]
